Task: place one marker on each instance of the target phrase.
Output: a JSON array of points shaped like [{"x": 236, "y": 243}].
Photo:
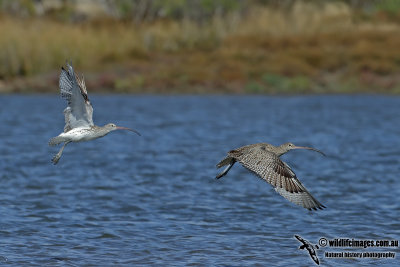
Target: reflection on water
[{"x": 127, "y": 200}]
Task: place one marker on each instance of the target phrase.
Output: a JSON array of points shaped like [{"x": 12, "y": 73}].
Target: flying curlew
[
  {"x": 79, "y": 124},
  {"x": 263, "y": 160}
]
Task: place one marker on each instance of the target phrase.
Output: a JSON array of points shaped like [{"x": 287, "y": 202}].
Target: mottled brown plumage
[{"x": 263, "y": 160}]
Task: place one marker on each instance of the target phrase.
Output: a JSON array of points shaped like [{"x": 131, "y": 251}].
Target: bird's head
[
  {"x": 290, "y": 146},
  {"x": 112, "y": 127}
]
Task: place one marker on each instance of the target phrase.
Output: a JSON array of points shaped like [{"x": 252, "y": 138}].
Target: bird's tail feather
[
  {"x": 226, "y": 161},
  {"x": 56, "y": 140}
]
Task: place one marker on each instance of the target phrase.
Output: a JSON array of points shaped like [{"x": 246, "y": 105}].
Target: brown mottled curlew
[
  {"x": 79, "y": 124},
  {"x": 263, "y": 160}
]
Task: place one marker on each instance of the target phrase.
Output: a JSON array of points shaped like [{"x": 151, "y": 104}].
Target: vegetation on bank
[{"x": 301, "y": 47}]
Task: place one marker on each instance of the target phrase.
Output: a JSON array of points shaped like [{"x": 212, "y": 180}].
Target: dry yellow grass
[{"x": 301, "y": 50}]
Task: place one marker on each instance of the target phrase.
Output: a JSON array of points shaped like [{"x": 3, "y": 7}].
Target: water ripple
[{"x": 152, "y": 200}]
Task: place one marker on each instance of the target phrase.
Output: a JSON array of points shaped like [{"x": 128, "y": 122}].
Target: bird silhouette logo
[{"x": 310, "y": 247}]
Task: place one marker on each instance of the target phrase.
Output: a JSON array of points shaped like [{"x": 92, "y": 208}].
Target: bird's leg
[
  {"x": 226, "y": 170},
  {"x": 57, "y": 157}
]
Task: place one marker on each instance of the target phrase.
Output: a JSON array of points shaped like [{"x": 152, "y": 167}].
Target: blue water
[{"x": 126, "y": 200}]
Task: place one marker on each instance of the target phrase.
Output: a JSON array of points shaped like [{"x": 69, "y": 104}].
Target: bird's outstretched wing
[
  {"x": 313, "y": 256},
  {"x": 79, "y": 112},
  {"x": 302, "y": 240},
  {"x": 270, "y": 168}
]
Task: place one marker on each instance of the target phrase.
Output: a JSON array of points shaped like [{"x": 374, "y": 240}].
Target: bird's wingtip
[
  {"x": 68, "y": 64},
  {"x": 316, "y": 208}
]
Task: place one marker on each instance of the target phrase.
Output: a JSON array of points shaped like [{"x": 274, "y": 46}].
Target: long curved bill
[
  {"x": 309, "y": 148},
  {"x": 129, "y": 129}
]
